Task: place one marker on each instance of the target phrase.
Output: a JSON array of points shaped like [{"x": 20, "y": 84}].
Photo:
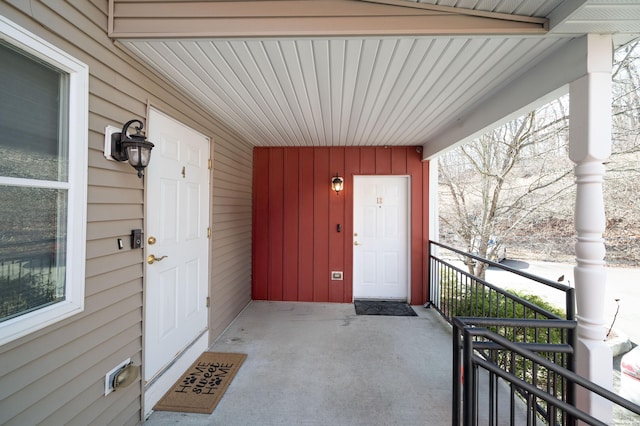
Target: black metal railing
[
  {"x": 518, "y": 380},
  {"x": 519, "y": 318},
  {"x": 456, "y": 292},
  {"x": 31, "y": 276}
]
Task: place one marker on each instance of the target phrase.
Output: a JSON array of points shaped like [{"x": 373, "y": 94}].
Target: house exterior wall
[
  {"x": 230, "y": 288},
  {"x": 56, "y": 375},
  {"x": 296, "y": 244}
]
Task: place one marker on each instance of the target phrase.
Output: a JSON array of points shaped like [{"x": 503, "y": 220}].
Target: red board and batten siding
[{"x": 295, "y": 217}]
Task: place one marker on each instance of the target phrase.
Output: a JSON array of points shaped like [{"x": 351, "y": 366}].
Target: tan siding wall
[
  {"x": 56, "y": 375},
  {"x": 231, "y": 245}
]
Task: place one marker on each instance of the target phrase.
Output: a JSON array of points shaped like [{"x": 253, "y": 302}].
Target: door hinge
[
  {"x": 208, "y": 301},
  {"x": 209, "y": 232},
  {"x": 210, "y": 163}
]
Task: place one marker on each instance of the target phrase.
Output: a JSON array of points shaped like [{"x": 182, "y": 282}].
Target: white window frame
[{"x": 76, "y": 186}]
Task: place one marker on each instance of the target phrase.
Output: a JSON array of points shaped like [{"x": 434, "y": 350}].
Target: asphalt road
[{"x": 622, "y": 284}]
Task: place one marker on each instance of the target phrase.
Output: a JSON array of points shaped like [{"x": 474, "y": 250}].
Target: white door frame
[
  {"x": 407, "y": 179},
  {"x": 158, "y": 385}
]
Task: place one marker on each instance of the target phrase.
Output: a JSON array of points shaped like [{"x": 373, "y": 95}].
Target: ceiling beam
[
  {"x": 564, "y": 11},
  {"x": 303, "y": 18},
  {"x": 542, "y": 83},
  {"x": 459, "y": 10}
]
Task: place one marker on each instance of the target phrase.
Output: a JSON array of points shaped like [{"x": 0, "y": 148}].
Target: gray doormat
[{"x": 383, "y": 307}]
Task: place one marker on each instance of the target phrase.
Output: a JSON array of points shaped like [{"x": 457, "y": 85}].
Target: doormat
[
  {"x": 201, "y": 387},
  {"x": 382, "y": 307}
]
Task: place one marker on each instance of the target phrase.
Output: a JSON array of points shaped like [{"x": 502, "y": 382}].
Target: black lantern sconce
[
  {"x": 337, "y": 184},
  {"x": 121, "y": 146}
]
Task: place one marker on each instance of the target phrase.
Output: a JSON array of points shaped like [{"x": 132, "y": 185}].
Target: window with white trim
[{"x": 43, "y": 181}]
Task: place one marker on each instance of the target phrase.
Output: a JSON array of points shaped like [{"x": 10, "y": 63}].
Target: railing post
[
  {"x": 470, "y": 382},
  {"x": 457, "y": 377},
  {"x": 431, "y": 274},
  {"x": 571, "y": 340}
]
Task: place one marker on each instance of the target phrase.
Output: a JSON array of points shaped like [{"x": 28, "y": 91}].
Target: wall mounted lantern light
[
  {"x": 337, "y": 183},
  {"x": 121, "y": 146}
]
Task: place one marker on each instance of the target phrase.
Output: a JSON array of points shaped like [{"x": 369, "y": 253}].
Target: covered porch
[
  {"x": 373, "y": 75},
  {"x": 320, "y": 363}
]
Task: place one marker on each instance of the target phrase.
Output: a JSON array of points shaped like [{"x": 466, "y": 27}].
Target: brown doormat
[{"x": 201, "y": 387}]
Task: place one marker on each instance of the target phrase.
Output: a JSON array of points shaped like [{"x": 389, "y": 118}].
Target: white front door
[
  {"x": 176, "y": 234},
  {"x": 380, "y": 238}
]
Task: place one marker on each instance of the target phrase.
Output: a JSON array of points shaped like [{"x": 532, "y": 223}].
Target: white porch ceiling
[{"x": 368, "y": 90}]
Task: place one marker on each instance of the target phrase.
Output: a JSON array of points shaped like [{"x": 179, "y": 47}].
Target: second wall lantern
[
  {"x": 121, "y": 146},
  {"x": 337, "y": 183}
]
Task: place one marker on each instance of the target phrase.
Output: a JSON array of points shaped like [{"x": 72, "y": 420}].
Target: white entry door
[
  {"x": 381, "y": 237},
  {"x": 176, "y": 234}
]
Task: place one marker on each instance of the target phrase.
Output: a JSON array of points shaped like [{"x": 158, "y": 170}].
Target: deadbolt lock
[{"x": 151, "y": 240}]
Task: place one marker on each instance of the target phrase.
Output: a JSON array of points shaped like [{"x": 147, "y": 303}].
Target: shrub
[{"x": 472, "y": 298}]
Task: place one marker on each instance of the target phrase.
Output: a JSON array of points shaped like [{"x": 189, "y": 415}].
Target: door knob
[
  {"x": 151, "y": 259},
  {"x": 355, "y": 243}
]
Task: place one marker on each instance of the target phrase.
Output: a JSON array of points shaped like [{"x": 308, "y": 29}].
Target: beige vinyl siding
[
  {"x": 56, "y": 375},
  {"x": 231, "y": 234}
]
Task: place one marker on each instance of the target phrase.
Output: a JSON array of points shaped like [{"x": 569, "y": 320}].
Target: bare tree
[
  {"x": 491, "y": 186},
  {"x": 626, "y": 98},
  {"x": 516, "y": 182},
  {"x": 622, "y": 181}
]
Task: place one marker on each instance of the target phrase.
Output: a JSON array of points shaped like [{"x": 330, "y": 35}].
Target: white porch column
[{"x": 589, "y": 147}]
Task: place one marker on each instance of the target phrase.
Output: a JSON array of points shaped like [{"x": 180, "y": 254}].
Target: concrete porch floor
[{"x": 321, "y": 364}]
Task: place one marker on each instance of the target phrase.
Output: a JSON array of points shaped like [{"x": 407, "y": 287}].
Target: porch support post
[{"x": 589, "y": 147}]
